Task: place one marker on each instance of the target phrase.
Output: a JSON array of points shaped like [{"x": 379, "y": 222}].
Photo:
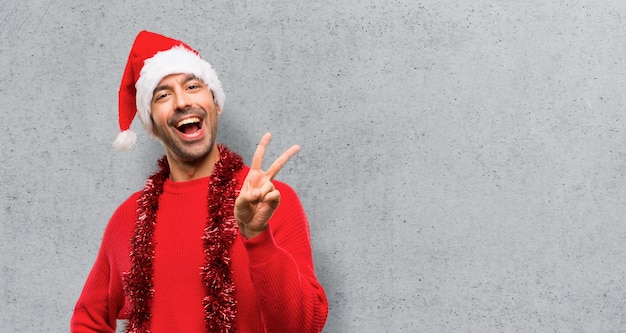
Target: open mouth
[{"x": 189, "y": 126}]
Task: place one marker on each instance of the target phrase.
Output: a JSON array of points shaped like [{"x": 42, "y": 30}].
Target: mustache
[{"x": 190, "y": 111}]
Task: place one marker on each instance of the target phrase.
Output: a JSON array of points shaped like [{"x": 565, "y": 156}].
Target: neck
[{"x": 182, "y": 171}]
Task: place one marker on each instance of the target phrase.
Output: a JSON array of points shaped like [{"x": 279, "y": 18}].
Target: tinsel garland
[{"x": 219, "y": 235}]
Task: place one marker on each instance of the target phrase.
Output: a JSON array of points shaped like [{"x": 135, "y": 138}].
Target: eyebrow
[{"x": 188, "y": 77}]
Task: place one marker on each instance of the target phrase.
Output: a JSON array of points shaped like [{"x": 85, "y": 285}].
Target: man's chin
[{"x": 191, "y": 153}]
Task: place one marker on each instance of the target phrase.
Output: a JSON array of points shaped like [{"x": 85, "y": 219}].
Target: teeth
[{"x": 186, "y": 121}]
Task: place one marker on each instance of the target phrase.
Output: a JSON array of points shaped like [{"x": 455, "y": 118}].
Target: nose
[{"x": 182, "y": 101}]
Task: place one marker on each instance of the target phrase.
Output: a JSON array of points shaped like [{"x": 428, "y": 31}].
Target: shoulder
[
  {"x": 286, "y": 191},
  {"x": 124, "y": 217},
  {"x": 128, "y": 206},
  {"x": 290, "y": 208}
]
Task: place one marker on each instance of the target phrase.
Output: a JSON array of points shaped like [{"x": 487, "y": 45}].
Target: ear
[{"x": 218, "y": 109}]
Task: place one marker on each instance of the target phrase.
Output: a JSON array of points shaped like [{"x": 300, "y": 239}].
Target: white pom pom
[{"x": 125, "y": 140}]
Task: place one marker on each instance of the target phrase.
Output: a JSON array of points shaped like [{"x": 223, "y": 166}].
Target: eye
[
  {"x": 159, "y": 95},
  {"x": 194, "y": 84}
]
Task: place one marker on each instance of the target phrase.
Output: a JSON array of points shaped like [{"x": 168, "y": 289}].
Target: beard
[{"x": 185, "y": 150}]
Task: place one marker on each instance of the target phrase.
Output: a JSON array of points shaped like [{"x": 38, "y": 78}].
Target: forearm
[
  {"x": 83, "y": 321},
  {"x": 102, "y": 298},
  {"x": 92, "y": 311},
  {"x": 290, "y": 296}
]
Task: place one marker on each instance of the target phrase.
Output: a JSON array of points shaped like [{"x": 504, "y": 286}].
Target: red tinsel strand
[
  {"x": 138, "y": 284},
  {"x": 220, "y": 233}
]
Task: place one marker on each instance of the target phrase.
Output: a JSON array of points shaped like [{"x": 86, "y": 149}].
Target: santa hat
[{"x": 152, "y": 58}]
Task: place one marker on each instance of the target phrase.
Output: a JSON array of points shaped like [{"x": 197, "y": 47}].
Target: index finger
[
  {"x": 257, "y": 158},
  {"x": 281, "y": 161}
]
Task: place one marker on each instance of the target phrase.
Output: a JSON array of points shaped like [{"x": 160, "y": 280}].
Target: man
[{"x": 205, "y": 246}]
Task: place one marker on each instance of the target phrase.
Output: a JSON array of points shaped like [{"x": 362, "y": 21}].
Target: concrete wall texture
[{"x": 463, "y": 162}]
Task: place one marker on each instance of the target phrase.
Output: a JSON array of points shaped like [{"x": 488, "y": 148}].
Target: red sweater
[{"x": 276, "y": 286}]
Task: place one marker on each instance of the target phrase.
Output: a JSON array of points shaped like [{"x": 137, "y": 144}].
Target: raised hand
[{"x": 258, "y": 198}]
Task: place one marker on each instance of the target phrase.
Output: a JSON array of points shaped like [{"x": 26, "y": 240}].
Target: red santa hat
[{"x": 152, "y": 58}]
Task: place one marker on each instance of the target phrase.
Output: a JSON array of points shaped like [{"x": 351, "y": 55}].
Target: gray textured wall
[{"x": 463, "y": 163}]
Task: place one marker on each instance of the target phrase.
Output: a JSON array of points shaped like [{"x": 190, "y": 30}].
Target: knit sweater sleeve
[
  {"x": 282, "y": 271},
  {"x": 102, "y": 301}
]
